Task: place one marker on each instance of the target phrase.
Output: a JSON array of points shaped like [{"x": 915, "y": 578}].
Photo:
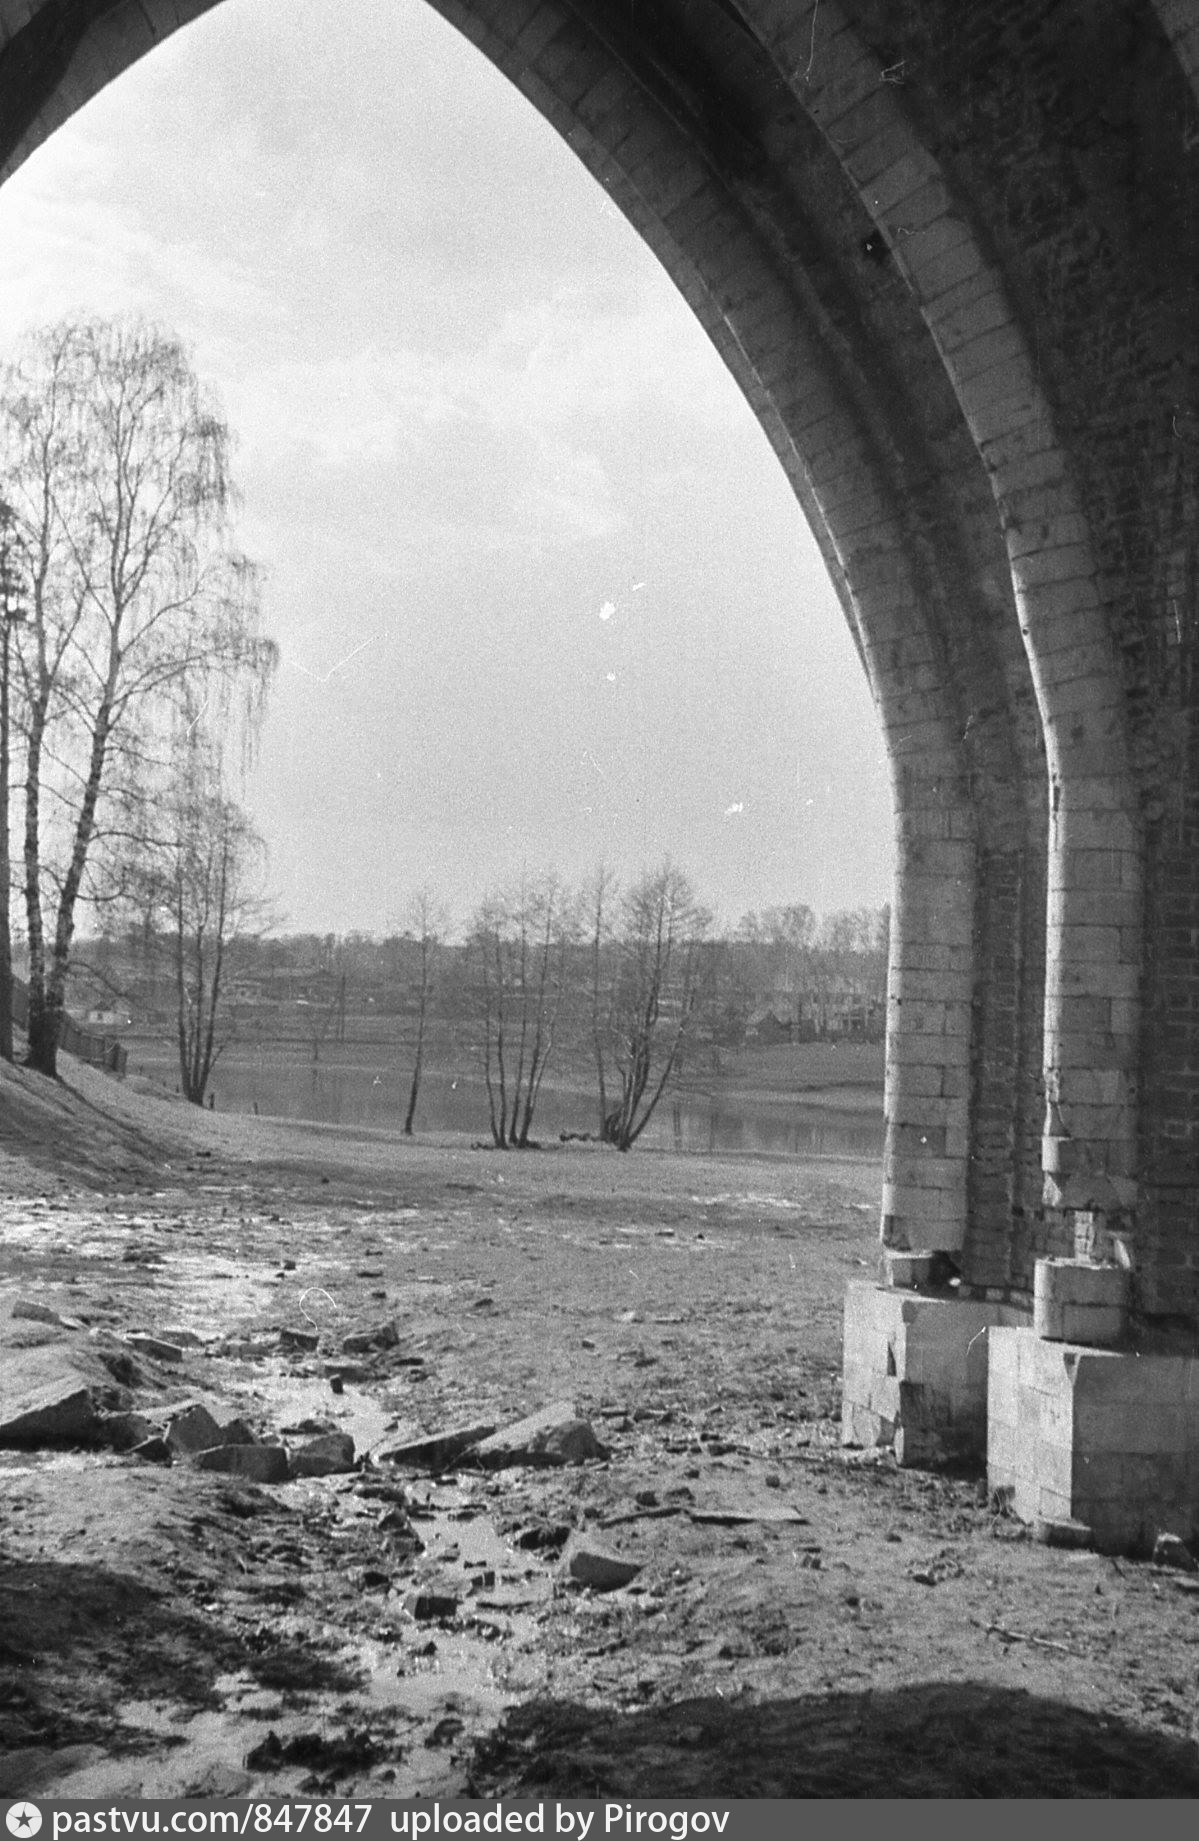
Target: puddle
[
  {"x": 287, "y": 1400},
  {"x": 430, "y": 1689}
]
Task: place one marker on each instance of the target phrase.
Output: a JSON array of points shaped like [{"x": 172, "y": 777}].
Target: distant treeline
[{"x": 782, "y": 974}]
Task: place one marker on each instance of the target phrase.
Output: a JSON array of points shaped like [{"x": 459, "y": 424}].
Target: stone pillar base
[
  {"x": 915, "y": 1372},
  {"x": 1094, "y": 1439}
]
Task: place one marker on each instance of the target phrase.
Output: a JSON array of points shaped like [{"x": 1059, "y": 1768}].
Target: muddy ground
[{"x": 806, "y": 1621}]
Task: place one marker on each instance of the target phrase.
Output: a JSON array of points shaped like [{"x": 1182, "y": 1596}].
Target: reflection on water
[{"x": 351, "y": 1093}]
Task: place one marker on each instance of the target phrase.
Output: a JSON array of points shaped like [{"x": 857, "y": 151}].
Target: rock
[
  {"x": 153, "y": 1451},
  {"x": 439, "y": 1449},
  {"x": 425, "y": 1606},
  {"x": 49, "y": 1397},
  {"x": 192, "y": 1430},
  {"x": 543, "y": 1536},
  {"x": 588, "y": 1563},
  {"x": 1172, "y": 1550},
  {"x": 238, "y": 1432},
  {"x": 556, "y": 1435},
  {"x": 123, "y": 1431},
  {"x": 183, "y": 1338},
  {"x": 1061, "y": 1533},
  {"x": 43, "y": 1313},
  {"x": 324, "y": 1457},
  {"x": 154, "y": 1346},
  {"x": 364, "y": 1342},
  {"x": 260, "y": 1463},
  {"x": 299, "y": 1339}
]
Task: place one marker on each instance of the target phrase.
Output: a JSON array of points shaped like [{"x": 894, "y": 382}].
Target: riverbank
[
  {"x": 802, "y": 1620},
  {"x": 784, "y": 1100}
]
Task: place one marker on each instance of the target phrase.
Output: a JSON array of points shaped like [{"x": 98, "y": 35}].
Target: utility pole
[{"x": 11, "y": 612}]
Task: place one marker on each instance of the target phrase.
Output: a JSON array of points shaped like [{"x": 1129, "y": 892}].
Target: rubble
[
  {"x": 34, "y": 1312},
  {"x": 438, "y": 1450},
  {"x": 366, "y": 1342},
  {"x": 156, "y": 1347},
  {"x": 555, "y": 1435},
  {"x": 53, "y": 1394},
  {"x": 1171, "y": 1550},
  {"x": 260, "y": 1463},
  {"x": 326, "y": 1456},
  {"x": 192, "y": 1430},
  {"x": 588, "y": 1563}
]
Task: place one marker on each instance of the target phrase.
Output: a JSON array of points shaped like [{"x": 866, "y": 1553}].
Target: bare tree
[
  {"x": 12, "y": 609},
  {"x": 654, "y": 995},
  {"x": 427, "y": 923},
  {"x": 118, "y": 473},
  {"x": 521, "y": 941},
  {"x": 598, "y": 898},
  {"x": 216, "y": 859},
  {"x": 189, "y": 866}
]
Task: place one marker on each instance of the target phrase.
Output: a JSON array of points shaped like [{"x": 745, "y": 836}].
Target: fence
[{"x": 98, "y": 1051}]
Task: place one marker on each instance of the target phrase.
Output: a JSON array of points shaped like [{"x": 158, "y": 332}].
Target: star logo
[{"x": 23, "y": 1819}]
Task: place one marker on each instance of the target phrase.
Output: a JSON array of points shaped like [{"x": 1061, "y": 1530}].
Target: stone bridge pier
[{"x": 950, "y": 251}]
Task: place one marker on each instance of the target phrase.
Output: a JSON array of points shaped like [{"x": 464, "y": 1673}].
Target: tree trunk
[{"x": 45, "y": 1026}]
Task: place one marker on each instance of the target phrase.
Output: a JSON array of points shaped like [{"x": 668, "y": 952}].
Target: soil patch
[{"x": 793, "y": 1619}]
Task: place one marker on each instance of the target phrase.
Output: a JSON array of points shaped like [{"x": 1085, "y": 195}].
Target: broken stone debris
[
  {"x": 365, "y": 1342},
  {"x": 1171, "y": 1550},
  {"x": 426, "y": 1607},
  {"x": 326, "y": 1456},
  {"x": 155, "y": 1347},
  {"x": 588, "y": 1563},
  {"x": 192, "y": 1430},
  {"x": 153, "y": 1451},
  {"x": 312, "y": 1748},
  {"x": 305, "y": 1340},
  {"x": 556, "y": 1435},
  {"x": 123, "y": 1431},
  {"x": 32, "y": 1311},
  {"x": 439, "y": 1449},
  {"x": 53, "y": 1395},
  {"x": 260, "y": 1463}
]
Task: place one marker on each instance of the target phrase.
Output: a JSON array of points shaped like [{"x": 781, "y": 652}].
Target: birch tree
[
  {"x": 654, "y": 997},
  {"x": 521, "y": 941},
  {"x": 116, "y": 463},
  {"x": 428, "y": 921}
]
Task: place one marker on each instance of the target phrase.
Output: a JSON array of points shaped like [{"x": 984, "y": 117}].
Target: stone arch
[
  {"x": 799, "y": 352},
  {"x": 1089, "y": 1150}
]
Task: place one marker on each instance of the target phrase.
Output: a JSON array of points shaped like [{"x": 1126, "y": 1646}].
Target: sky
[{"x": 542, "y": 592}]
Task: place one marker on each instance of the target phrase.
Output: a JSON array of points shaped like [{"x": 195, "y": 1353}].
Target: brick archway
[{"x": 945, "y": 248}]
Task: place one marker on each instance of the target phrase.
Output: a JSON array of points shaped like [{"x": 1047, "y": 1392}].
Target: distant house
[
  {"x": 108, "y": 1019},
  {"x": 769, "y": 1025}
]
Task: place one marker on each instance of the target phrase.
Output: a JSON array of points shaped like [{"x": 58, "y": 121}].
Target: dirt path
[{"x": 805, "y": 1621}]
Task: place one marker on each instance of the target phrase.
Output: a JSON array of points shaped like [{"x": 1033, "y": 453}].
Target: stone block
[
  {"x": 327, "y": 1456},
  {"x": 588, "y": 1563},
  {"x": 438, "y": 1450},
  {"x": 155, "y": 1347},
  {"x": 1106, "y": 1439},
  {"x": 192, "y": 1430},
  {"x": 34, "y": 1312},
  {"x": 915, "y": 1371},
  {"x": 907, "y": 1271},
  {"x": 556, "y": 1435},
  {"x": 1077, "y": 1301},
  {"x": 259, "y": 1463}
]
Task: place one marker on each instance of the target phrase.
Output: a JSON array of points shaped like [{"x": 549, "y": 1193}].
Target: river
[{"x": 366, "y": 1091}]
